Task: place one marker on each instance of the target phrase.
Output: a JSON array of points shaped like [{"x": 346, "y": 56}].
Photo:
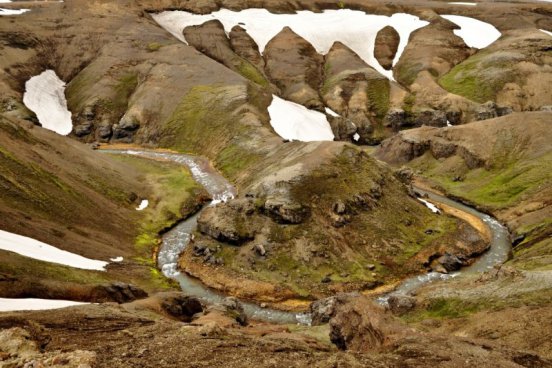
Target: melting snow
[
  {"x": 430, "y": 205},
  {"x": 116, "y": 259},
  {"x": 547, "y": 32},
  {"x": 13, "y": 11},
  {"x": 475, "y": 33},
  {"x": 45, "y": 95},
  {"x": 35, "y": 249},
  {"x": 462, "y": 3},
  {"x": 143, "y": 205},
  {"x": 331, "y": 112},
  {"x": 354, "y": 28},
  {"x": 295, "y": 122},
  {"x": 356, "y": 137},
  {"x": 449, "y": 124},
  {"x": 8, "y": 305}
]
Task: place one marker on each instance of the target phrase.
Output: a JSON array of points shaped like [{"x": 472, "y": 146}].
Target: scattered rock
[
  {"x": 396, "y": 118},
  {"x": 260, "y": 250},
  {"x": 360, "y": 326},
  {"x": 181, "y": 306},
  {"x": 400, "y": 304},
  {"x": 234, "y": 309},
  {"x": 286, "y": 211},
  {"x": 450, "y": 262},
  {"x": 211, "y": 329},
  {"x": 118, "y": 292}
]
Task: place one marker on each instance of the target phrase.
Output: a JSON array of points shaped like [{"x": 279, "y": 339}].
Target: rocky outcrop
[
  {"x": 181, "y": 306},
  {"x": 357, "y": 92},
  {"x": 227, "y": 222},
  {"x": 401, "y": 304},
  {"x": 359, "y": 325},
  {"x": 387, "y": 43},
  {"x": 17, "y": 349},
  {"x": 434, "y": 48},
  {"x": 244, "y": 46},
  {"x": 285, "y": 210},
  {"x": 490, "y": 110},
  {"x": 323, "y": 310},
  {"x": 295, "y": 67},
  {"x": 118, "y": 292}
]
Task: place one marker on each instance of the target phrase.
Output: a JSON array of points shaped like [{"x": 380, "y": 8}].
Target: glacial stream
[{"x": 176, "y": 240}]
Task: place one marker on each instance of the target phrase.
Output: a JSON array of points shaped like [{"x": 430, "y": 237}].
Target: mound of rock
[{"x": 387, "y": 43}]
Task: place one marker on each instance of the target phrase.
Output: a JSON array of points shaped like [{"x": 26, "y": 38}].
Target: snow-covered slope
[
  {"x": 7, "y": 305},
  {"x": 35, "y": 249},
  {"x": 355, "y": 29},
  {"x": 295, "y": 122},
  {"x": 475, "y": 33},
  {"x": 45, "y": 96}
]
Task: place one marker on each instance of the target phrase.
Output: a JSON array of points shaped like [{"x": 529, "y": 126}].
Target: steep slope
[{"x": 502, "y": 165}]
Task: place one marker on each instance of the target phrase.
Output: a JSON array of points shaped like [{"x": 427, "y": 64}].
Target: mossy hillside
[
  {"x": 206, "y": 122},
  {"x": 454, "y": 307},
  {"x": 18, "y": 266},
  {"x": 175, "y": 195},
  {"x": 534, "y": 253},
  {"x": 480, "y": 77},
  {"x": 300, "y": 256},
  {"x": 249, "y": 71},
  {"x": 502, "y": 185}
]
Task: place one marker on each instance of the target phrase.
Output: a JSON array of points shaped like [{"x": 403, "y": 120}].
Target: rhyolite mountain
[{"x": 326, "y": 221}]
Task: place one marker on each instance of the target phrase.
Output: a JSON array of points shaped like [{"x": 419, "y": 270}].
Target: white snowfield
[
  {"x": 475, "y": 33},
  {"x": 353, "y": 28},
  {"x": 8, "y": 305},
  {"x": 13, "y": 11},
  {"x": 45, "y": 96},
  {"x": 430, "y": 205},
  {"x": 295, "y": 122},
  {"x": 37, "y": 250}
]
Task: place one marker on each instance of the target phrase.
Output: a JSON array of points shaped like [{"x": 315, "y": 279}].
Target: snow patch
[
  {"x": 331, "y": 112},
  {"x": 37, "y": 250},
  {"x": 295, "y": 122},
  {"x": 13, "y": 11},
  {"x": 8, "y": 305},
  {"x": 143, "y": 205},
  {"x": 356, "y": 137},
  {"x": 116, "y": 259},
  {"x": 463, "y": 3},
  {"x": 449, "y": 124},
  {"x": 430, "y": 205},
  {"x": 475, "y": 33},
  {"x": 547, "y": 32},
  {"x": 353, "y": 28},
  {"x": 45, "y": 96}
]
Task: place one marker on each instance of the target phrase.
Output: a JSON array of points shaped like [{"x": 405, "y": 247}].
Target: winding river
[{"x": 175, "y": 241}]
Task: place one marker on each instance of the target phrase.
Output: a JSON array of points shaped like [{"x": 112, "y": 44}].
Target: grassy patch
[
  {"x": 175, "y": 195},
  {"x": 378, "y": 97},
  {"x": 476, "y": 80},
  {"x": 153, "y": 46},
  {"x": 247, "y": 70},
  {"x": 498, "y": 187},
  {"x": 15, "y": 264}
]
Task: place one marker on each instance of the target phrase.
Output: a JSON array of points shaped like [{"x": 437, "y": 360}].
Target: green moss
[
  {"x": 153, "y": 46},
  {"x": 233, "y": 159},
  {"x": 476, "y": 80},
  {"x": 378, "y": 97},
  {"x": 249, "y": 71},
  {"x": 14, "y": 264},
  {"x": 175, "y": 195}
]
